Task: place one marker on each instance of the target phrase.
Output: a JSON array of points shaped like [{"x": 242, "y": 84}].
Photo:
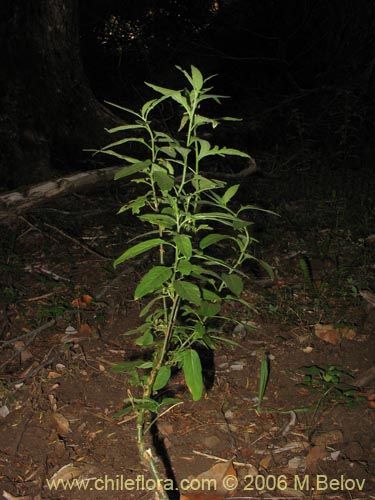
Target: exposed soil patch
[{"x": 62, "y": 394}]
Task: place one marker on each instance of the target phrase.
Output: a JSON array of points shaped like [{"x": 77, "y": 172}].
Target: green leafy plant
[
  {"x": 273, "y": 310},
  {"x": 327, "y": 382},
  {"x": 263, "y": 380},
  {"x": 200, "y": 240}
]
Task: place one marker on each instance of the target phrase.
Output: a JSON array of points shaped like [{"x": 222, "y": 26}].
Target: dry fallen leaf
[
  {"x": 221, "y": 474},
  {"x": 67, "y": 473},
  {"x": 53, "y": 402},
  {"x": 265, "y": 462},
  {"x": 62, "y": 424},
  {"x": 315, "y": 454},
  {"x": 332, "y": 334},
  {"x": 85, "y": 330},
  {"x": 371, "y": 400},
  {"x": 9, "y": 496},
  {"x": 82, "y": 301}
]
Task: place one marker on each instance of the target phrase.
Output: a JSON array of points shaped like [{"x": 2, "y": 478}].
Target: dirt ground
[{"x": 58, "y": 393}]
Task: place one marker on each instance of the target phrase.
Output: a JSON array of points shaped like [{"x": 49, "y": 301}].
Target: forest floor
[{"x": 303, "y": 438}]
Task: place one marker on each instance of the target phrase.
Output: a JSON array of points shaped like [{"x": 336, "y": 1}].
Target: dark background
[{"x": 300, "y": 73}]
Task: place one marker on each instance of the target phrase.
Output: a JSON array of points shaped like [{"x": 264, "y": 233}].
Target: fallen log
[{"x": 13, "y": 203}]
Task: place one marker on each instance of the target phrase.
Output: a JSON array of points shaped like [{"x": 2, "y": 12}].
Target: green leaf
[
  {"x": 204, "y": 148},
  {"x": 138, "y": 249},
  {"x": 208, "y": 295},
  {"x": 186, "y": 310},
  {"x": 145, "y": 340},
  {"x": 170, "y": 401},
  {"x": 232, "y": 152},
  {"x": 123, "y": 109},
  {"x": 209, "y": 309},
  {"x": 184, "y": 120},
  {"x": 132, "y": 169},
  {"x": 214, "y": 97},
  {"x": 126, "y": 366},
  {"x": 183, "y": 243},
  {"x": 233, "y": 282},
  {"x": 313, "y": 370},
  {"x": 118, "y": 155},
  {"x": 164, "y": 181},
  {"x": 121, "y": 128},
  {"x": 203, "y": 120},
  {"x": 267, "y": 268},
  {"x": 199, "y": 331},
  {"x": 199, "y": 271},
  {"x": 149, "y": 305},
  {"x": 201, "y": 183},
  {"x": 178, "y": 97},
  {"x": 184, "y": 267},
  {"x": 146, "y": 365},
  {"x": 146, "y": 404},
  {"x": 211, "y": 239},
  {"x": 188, "y": 291},
  {"x": 162, "y": 90},
  {"x": 229, "y": 118},
  {"x": 187, "y": 76},
  {"x": 193, "y": 373},
  {"x": 162, "y": 378},
  {"x": 197, "y": 78},
  {"x": 153, "y": 280},
  {"x": 184, "y": 152},
  {"x": 150, "y": 105},
  {"x": 123, "y": 412},
  {"x": 169, "y": 151},
  {"x": 229, "y": 193},
  {"x": 163, "y": 221},
  {"x": 124, "y": 141},
  {"x": 135, "y": 205}
]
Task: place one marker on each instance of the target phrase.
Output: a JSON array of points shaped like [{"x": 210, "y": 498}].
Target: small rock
[
  {"x": 229, "y": 415},
  {"x": 308, "y": 349},
  {"x": 4, "y": 411}
]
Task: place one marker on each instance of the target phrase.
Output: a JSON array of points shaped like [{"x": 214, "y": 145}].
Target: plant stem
[{"x": 148, "y": 459}]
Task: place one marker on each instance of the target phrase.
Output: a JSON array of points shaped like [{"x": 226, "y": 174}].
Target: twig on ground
[
  {"x": 220, "y": 459},
  {"x": 36, "y": 228},
  {"x": 77, "y": 242},
  {"x": 32, "y": 373},
  {"x": 33, "y": 334},
  {"x": 21, "y": 431}
]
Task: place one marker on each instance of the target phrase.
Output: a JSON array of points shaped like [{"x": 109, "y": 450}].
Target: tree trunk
[{"x": 48, "y": 111}]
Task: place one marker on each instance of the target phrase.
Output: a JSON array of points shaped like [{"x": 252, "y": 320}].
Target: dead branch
[{"x": 13, "y": 203}]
